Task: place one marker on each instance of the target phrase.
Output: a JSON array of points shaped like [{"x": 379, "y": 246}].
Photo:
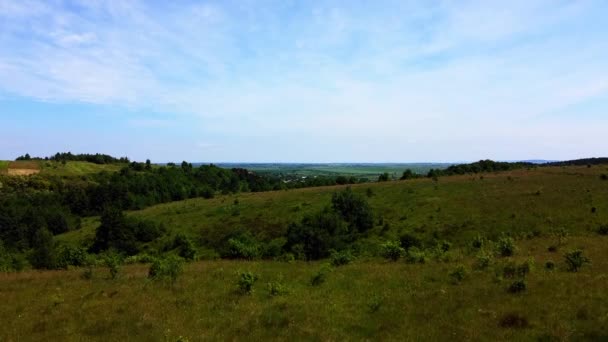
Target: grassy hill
[
  {"x": 457, "y": 208},
  {"x": 51, "y": 168},
  {"x": 464, "y": 293}
]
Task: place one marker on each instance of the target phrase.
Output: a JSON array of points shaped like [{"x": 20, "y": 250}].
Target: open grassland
[
  {"x": 370, "y": 299},
  {"x": 3, "y": 166},
  {"x": 457, "y": 208},
  {"x": 77, "y": 168}
]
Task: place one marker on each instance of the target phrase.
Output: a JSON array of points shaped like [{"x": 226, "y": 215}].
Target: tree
[
  {"x": 114, "y": 233},
  {"x": 383, "y": 177},
  {"x": 408, "y": 174},
  {"x": 354, "y": 209},
  {"x": 43, "y": 255}
]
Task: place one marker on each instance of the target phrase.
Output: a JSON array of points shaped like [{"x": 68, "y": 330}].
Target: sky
[{"x": 305, "y": 81}]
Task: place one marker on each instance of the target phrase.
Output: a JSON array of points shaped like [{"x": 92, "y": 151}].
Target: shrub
[
  {"x": 113, "y": 262},
  {"x": 415, "y": 255},
  {"x": 320, "y": 276},
  {"x": 277, "y": 289},
  {"x": 274, "y": 247},
  {"x": 575, "y": 260},
  {"x": 184, "y": 246},
  {"x": 603, "y": 229},
  {"x": 524, "y": 268},
  {"x": 553, "y": 248},
  {"x": 518, "y": 286},
  {"x": 243, "y": 246},
  {"x": 287, "y": 257},
  {"x": 246, "y": 281},
  {"x": 477, "y": 242},
  {"x": 550, "y": 265},
  {"x": 409, "y": 240},
  {"x": 458, "y": 274},
  {"x": 341, "y": 258},
  {"x": 509, "y": 270},
  {"x": 169, "y": 268},
  {"x": 483, "y": 261},
  {"x": 604, "y": 176},
  {"x": 505, "y": 246},
  {"x": 70, "y": 256},
  {"x": 391, "y": 250}
]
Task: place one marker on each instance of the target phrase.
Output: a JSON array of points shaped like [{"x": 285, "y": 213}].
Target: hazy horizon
[{"x": 289, "y": 81}]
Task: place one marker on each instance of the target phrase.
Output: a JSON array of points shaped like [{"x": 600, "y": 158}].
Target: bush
[
  {"x": 113, "y": 262},
  {"x": 277, "y": 289},
  {"x": 415, "y": 255},
  {"x": 505, "y": 246},
  {"x": 550, "y": 265},
  {"x": 603, "y": 229},
  {"x": 513, "y": 320},
  {"x": 604, "y": 176},
  {"x": 320, "y": 276},
  {"x": 517, "y": 286},
  {"x": 341, "y": 258},
  {"x": 274, "y": 247},
  {"x": 169, "y": 268},
  {"x": 483, "y": 261},
  {"x": 184, "y": 246},
  {"x": 246, "y": 281},
  {"x": 243, "y": 246},
  {"x": 509, "y": 270},
  {"x": 458, "y": 274},
  {"x": 70, "y": 256},
  {"x": 524, "y": 268},
  {"x": 575, "y": 260},
  {"x": 477, "y": 242},
  {"x": 409, "y": 240},
  {"x": 391, "y": 250}
]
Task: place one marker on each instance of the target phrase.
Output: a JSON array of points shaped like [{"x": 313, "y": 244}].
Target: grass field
[
  {"x": 456, "y": 208},
  {"x": 369, "y": 299},
  {"x": 359, "y": 170},
  {"x": 366, "y": 300},
  {"x": 3, "y": 166},
  {"x": 75, "y": 168}
]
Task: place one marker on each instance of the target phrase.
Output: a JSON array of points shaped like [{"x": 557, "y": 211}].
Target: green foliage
[
  {"x": 478, "y": 242},
  {"x": 184, "y": 247},
  {"x": 168, "y": 268},
  {"x": 384, "y": 177},
  {"x": 277, "y": 288},
  {"x": 113, "y": 262},
  {"x": 341, "y": 258},
  {"x": 505, "y": 246},
  {"x": 410, "y": 240},
  {"x": 353, "y": 209},
  {"x": 415, "y": 255},
  {"x": 483, "y": 261},
  {"x": 458, "y": 274},
  {"x": 518, "y": 286},
  {"x": 320, "y": 276},
  {"x": 243, "y": 246},
  {"x": 70, "y": 256},
  {"x": 575, "y": 260},
  {"x": 550, "y": 265},
  {"x": 43, "y": 253},
  {"x": 246, "y": 281},
  {"x": 392, "y": 250},
  {"x": 274, "y": 248},
  {"x": 603, "y": 229}
]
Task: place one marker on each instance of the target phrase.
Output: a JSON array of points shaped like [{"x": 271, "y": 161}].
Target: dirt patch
[{"x": 22, "y": 172}]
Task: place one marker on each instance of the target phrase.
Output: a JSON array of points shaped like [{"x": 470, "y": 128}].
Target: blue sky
[{"x": 305, "y": 81}]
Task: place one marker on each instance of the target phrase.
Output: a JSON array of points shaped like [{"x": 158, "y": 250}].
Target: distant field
[
  {"x": 361, "y": 170},
  {"x": 3, "y": 166},
  {"x": 73, "y": 168}
]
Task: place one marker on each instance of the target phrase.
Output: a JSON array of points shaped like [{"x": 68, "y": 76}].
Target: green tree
[{"x": 43, "y": 253}]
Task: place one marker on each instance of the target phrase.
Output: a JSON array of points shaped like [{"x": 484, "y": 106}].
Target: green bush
[
  {"x": 392, "y": 250},
  {"x": 320, "y": 276},
  {"x": 575, "y": 260},
  {"x": 243, "y": 246},
  {"x": 483, "y": 261},
  {"x": 477, "y": 242},
  {"x": 505, "y": 246},
  {"x": 169, "y": 268},
  {"x": 277, "y": 289},
  {"x": 184, "y": 246},
  {"x": 525, "y": 268},
  {"x": 550, "y": 265},
  {"x": 113, "y": 262},
  {"x": 246, "y": 281},
  {"x": 518, "y": 286},
  {"x": 603, "y": 229},
  {"x": 341, "y": 258},
  {"x": 409, "y": 240},
  {"x": 458, "y": 274},
  {"x": 415, "y": 255},
  {"x": 67, "y": 255}
]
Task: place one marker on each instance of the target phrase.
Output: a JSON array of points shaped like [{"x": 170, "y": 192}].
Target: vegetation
[{"x": 401, "y": 257}]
